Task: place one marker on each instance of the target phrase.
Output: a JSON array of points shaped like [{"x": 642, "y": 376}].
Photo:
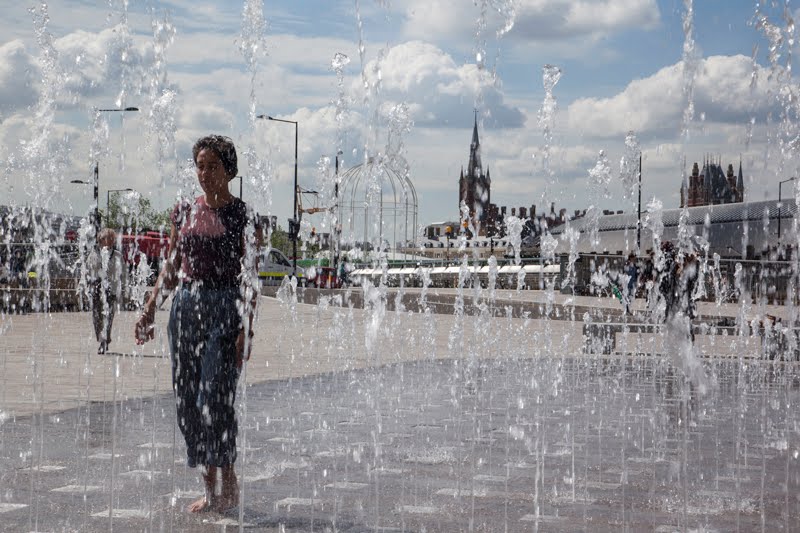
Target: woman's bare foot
[
  {"x": 200, "y": 506},
  {"x": 229, "y": 498},
  {"x": 208, "y": 501}
]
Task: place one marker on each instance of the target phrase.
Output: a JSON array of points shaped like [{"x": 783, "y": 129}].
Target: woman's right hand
[{"x": 144, "y": 330}]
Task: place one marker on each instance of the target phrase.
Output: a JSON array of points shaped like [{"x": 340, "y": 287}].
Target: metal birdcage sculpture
[{"x": 377, "y": 208}]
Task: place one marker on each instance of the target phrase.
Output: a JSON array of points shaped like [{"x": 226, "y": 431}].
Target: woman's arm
[{"x": 166, "y": 278}]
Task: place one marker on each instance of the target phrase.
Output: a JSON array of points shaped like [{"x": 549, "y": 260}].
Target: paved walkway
[
  {"x": 50, "y": 363},
  {"x": 359, "y": 421}
]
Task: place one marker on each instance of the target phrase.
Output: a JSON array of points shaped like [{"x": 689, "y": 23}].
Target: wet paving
[{"x": 549, "y": 444}]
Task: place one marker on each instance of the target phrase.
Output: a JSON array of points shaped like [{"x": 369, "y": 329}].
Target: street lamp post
[
  {"x": 780, "y": 207},
  {"x": 294, "y": 192},
  {"x": 335, "y": 245},
  {"x": 639, "y": 212},
  {"x": 96, "y": 183}
]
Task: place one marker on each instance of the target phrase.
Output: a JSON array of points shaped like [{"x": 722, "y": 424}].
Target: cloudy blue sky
[{"x": 182, "y": 63}]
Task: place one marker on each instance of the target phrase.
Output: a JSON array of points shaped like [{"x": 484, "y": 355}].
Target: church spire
[
  {"x": 740, "y": 182},
  {"x": 475, "y": 168},
  {"x": 475, "y": 141}
]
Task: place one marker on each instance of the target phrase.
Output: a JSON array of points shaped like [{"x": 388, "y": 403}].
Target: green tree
[
  {"x": 139, "y": 217},
  {"x": 280, "y": 241}
]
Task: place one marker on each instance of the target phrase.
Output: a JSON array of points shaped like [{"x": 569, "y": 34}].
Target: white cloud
[
  {"x": 535, "y": 20},
  {"x": 16, "y": 69},
  {"x": 439, "y": 92},
  {"x": 98, "y": 63},
  {"x": 656, "y": 104}
]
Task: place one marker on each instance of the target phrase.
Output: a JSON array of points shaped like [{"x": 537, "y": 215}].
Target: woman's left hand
[{"x": 241, "y": 356}]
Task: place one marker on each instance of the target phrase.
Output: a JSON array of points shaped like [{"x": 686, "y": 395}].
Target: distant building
[
  {"x": 712, "y": 186},
  {"x": 475, "y": 187},
  {"x": 721, "y": 227},
  {"x": 488, "y": 219}
]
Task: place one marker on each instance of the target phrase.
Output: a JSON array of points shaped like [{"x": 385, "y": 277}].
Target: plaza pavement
[
  {"x": 329, "y": 442},
  {"x": 49, "y": 361}
]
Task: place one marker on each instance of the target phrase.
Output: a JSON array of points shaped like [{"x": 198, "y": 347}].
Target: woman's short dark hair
[{"x": 223, "y": 147}]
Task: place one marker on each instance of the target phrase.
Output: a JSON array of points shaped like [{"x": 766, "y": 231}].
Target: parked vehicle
[{"x": 273, "y": 266}]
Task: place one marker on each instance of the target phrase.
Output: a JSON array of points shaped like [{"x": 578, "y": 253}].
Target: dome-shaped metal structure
[{"x": 377, "y": 208}]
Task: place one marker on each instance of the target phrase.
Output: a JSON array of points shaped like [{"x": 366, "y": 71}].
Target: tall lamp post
[
  {"x": 780, "y": 207},
  {"x": 336, "y": 244},
  {"x": 96, "y": 180},
  {"x": 294, "y": 221},
  {"x": 639, "y": 212},
  {"x": 96, "y": 183}
]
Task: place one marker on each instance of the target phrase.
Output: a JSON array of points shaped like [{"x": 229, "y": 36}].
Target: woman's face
[{"x": 211, "y": 173}]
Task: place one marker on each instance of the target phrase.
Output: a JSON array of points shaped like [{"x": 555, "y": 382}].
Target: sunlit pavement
[{"x": 500, "y": 423}]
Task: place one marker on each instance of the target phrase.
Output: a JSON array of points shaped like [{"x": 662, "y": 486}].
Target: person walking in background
[
  {"x": 632, "y": 272},
  {"x": 109, "y": 285},
  {"x": 212, "y": 260},
  {"x": 676, "y": 283},
  {"x": 666, "y": 278}
]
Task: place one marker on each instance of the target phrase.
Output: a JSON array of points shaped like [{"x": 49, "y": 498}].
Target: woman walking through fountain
[{"x": 211, "y": 319}]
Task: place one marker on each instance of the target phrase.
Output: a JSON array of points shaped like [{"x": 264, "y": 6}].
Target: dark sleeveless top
[{"x": 210, "y": 241}]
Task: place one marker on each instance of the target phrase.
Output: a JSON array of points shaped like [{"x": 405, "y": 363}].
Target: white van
[{"x": 273, "y": 267}]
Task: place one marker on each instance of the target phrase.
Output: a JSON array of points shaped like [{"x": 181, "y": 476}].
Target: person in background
[
  {"x": 17, "y": 264},
  {"x": 677, "y": 281},
  {"x": 632, "y": 272},
  {"x": 666, "y": 275},
  {"x": 212, "y": 260},
  {"x": 343, "y": 272},
  {"x": 109, "y": 283}
]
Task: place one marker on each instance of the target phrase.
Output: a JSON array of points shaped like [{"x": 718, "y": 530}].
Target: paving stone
[
  {"x": 230, "y": 522},
  {"x": 478, "y": 492},
  {"x": 104, "y": 456},
  {"x": 600, "y": 485},
  {"x": 347, "y": 485},
  {"x": 419, "y": 509},
  {"x": 77, "y": 489},
  {"x": 283, "y": 440},
  {"x": 146, "y": 474},
  {"x": 260, "y": 477},
  {"x": 288, "y": 503},
  {"x": 42, "y": 469},
  {"x": 545, "y": 519},
  {"x": 490, "y": 479},
  {"x": 9, "y": 507},
  {"x": 123, "y": 514}
]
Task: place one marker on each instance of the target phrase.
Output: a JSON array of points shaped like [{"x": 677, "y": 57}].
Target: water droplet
[{"x": 339, "y": 61}]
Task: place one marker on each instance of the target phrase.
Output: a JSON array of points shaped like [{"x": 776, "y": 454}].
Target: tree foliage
[
  {"x": 134, "y": 213},
  {"x": 281, "y": 241}
]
